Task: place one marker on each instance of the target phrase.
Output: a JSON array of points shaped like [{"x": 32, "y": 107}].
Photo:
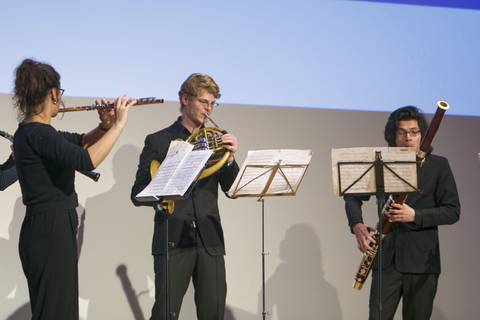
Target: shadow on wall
[
  {"x": 117, "y": 267},
  {"x": 297, "y": 289},
  {"x": 13, "y": 284},
  {"x": 437, "y": 314},
  {"x": 116, "y": 257},
  {"x": 130, "y": 293},
  {"x": 232, "y": 313}
]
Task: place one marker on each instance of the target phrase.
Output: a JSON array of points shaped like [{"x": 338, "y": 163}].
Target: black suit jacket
[
  {"x": 413, "y": 247},
  {"x": 197, "y": 213}
]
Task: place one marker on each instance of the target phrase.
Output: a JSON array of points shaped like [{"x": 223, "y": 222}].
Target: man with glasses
[
  {"x": 195, "y": 233},
  {"x": 411, "y": 255}
]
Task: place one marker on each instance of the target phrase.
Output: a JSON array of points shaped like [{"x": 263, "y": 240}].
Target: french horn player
[{"x": 196, "y": 243}]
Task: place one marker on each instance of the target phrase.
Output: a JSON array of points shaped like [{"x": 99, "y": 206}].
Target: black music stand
[
  {"x": 271, "y": 171},
  {"x": 164, "y": 214},
  {"x": 378, "y": 165}
]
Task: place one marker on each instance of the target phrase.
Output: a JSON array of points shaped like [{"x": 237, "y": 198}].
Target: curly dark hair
[
  {"x": 33, "y": 80},
  {"x": 403, "y": 114}
]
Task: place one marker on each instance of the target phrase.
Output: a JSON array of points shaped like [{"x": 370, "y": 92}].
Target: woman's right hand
[
  {"x": 122, "y": 105},
  {"x": 114, "y": 121}
]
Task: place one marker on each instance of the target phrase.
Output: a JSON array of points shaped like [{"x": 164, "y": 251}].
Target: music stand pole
[
  {"x": 380, "y": 194},
  {"x": 159, "y": 209},
  {"x": 264, "y": 312},
  {"x": 271, "y": 172}
]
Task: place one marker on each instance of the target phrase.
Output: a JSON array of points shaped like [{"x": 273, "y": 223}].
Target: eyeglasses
[
  {"x": 61, "y": 91},
  {"x": 404, "y": 133},
  {"x": 207, "y": 103}
]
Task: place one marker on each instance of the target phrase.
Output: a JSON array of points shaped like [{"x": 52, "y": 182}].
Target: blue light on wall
[
  {"x": 461, "y": 4},
  {"x": 358, "y": 55}
]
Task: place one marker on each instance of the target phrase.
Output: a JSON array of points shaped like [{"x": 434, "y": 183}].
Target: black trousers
[
  {"x": 48, "y": 251},
  {"x": 208, "y": 276},
  {"x": 416, "y": 290}
]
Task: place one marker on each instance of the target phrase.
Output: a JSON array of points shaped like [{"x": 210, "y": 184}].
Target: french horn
[{"x": 205, "y": 138}]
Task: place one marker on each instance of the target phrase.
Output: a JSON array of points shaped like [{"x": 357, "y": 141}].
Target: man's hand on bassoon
[{"x": 364, "y": 239}]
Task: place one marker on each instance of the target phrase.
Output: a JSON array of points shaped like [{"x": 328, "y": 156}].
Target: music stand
[
  {"x": 180, "y": 170},
  {"x": 162, "y": 212},
  {"x": 277, "y": 174},
  {"x": 378, "y": 165}
]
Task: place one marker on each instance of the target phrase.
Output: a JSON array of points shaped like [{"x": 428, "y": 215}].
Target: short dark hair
[
  {"x": 403, "y": 114},
  {"x": 33, "y": 80}
]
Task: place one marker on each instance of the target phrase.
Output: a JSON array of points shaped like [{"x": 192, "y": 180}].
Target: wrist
[
  {"x": 118, "y": 125},
  {"x": 417, "y": 218},
  {"x": 230, "y": 160},
  {"x": 103, "y": 127},
  {"x": 357, "y": 224}
]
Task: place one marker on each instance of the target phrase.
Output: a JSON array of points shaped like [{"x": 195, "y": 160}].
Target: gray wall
[{"x": 312, "y": 256}]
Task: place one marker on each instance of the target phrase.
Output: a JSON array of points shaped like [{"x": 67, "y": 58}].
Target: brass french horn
[{"x": 205, "y": 138}]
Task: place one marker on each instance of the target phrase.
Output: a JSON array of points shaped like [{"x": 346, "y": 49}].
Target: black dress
[{"x": 46, "y": 161}]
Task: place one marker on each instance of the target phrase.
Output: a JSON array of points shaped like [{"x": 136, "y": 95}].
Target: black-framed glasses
[
  {"x": 404, "y": 133},
  {"x": 206, "y": 103},
  {"x": 61, "y": 91}
]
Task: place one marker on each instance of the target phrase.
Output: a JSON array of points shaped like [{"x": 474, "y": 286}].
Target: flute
[{"x": 140, "y": 102}]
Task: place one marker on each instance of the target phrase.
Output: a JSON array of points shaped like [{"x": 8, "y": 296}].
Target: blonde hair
[{"x": 196, "y": 82}]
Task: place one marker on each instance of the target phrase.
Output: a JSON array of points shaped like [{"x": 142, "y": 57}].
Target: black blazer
[
  {"x": 413, "y": 247},
  {"x": 197, "y": 213}
]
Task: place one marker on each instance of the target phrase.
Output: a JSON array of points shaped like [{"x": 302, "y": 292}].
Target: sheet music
[
  {"x": 184, "y": 175},
  {"x": 350, "y": 173},
  {"x": 177, "y": 171},
  {"x": 279, "y": 185},
  {"x": 252, "y": 180},
  {"x": 271, "y": 157},
  {"x": 176, "y": 152}
]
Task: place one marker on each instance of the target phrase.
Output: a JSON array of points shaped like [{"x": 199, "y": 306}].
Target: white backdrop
[{"x": 312, "y": 256}]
